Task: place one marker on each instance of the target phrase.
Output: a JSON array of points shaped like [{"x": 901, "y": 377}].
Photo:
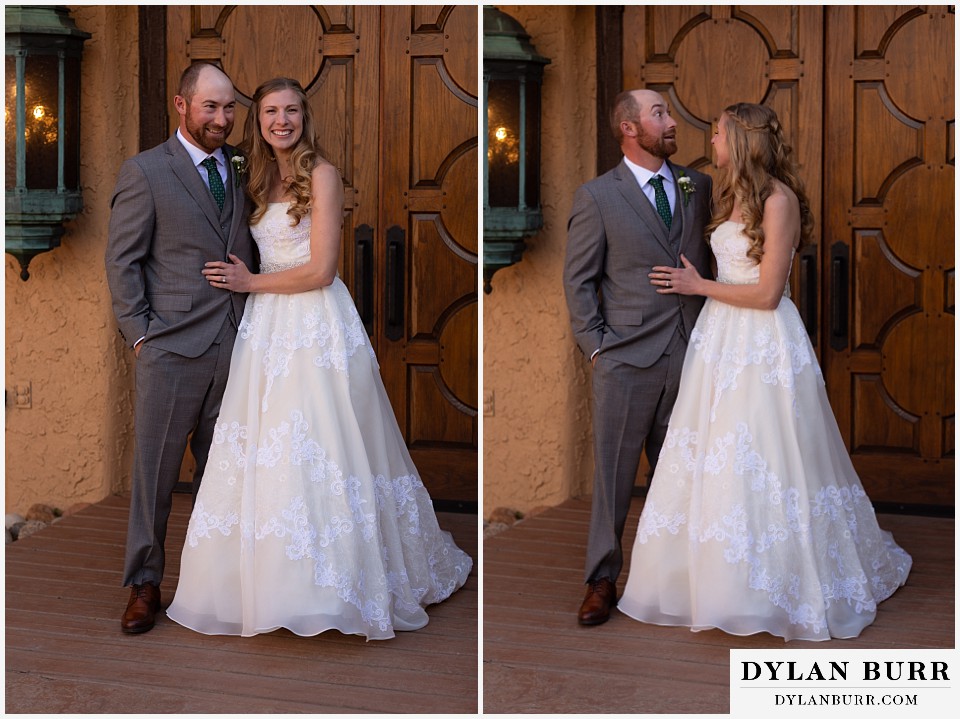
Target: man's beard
[
  {"x": 206, "y": 141},
  {"x": 658, "y": 147}
]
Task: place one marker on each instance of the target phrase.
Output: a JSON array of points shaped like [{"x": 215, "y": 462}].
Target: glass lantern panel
[
  {"x": 503, "y": 142},
  {"x": 42, "y": 80},
  {"x": 532, "y": 159},
  {"x": 71, "y": 130},
  {"x": 10, "y": 122}
]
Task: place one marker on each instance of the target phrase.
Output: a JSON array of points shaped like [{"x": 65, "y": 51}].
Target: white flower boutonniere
[
  {"x": 239, "y": 163},
  {"x": 686, "y": 186}
]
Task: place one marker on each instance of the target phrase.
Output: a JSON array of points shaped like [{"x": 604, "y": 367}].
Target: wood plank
[
  {"x": 538, "y": 659},
  {"x": 64, "y": 600},
  {"x": 544, "y": 690}
]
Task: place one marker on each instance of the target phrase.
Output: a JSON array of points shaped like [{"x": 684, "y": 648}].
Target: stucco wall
[
  {"x": 74, "y": 443},
  {"x": 537, "y": 447}
]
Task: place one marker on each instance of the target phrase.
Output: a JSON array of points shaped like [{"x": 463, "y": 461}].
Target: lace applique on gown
[
  {"x": 755, "y": 520},
  {"x": 310, "y": 514}
]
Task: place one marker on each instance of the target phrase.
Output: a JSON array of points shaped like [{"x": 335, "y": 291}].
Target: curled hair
[
  {"x": 758, "y": 156},
  {"x": 306, "y": 155}
]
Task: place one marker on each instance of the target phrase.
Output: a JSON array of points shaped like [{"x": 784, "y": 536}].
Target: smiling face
[
  {"x": 206, "y": 116},
  {"x": 281, "y": 120}
]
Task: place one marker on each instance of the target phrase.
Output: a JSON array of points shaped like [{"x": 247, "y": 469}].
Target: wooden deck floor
[
  {"x": 65, "y": 651},
  {"x": 537, "y": 659}
]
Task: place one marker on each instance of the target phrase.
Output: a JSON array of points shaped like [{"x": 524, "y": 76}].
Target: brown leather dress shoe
[
  {"x": 141, "y": 609},
  {"x": 600, "y": 599}
]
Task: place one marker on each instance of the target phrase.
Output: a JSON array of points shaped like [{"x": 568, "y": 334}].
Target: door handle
[
  {"x": 363, "y": 274},
  {"x": 808, "y": 292},
  {"x": 839, "y": 295},
  {"x": 396, "y": 273}
]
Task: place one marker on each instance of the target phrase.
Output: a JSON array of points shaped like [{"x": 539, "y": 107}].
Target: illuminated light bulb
[
  {"x": 501, "y": 134},
  {"x": 38, "y": 112}
]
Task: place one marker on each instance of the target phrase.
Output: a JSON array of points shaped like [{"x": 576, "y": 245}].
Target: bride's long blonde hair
[
  {"x": 758, "y": 156},
  {"x": 306, "y": 155}
]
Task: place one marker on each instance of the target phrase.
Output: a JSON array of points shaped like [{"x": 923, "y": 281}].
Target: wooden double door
[
  {"x": 866, "y": 95},
  {"x": 394, "y": 93}
]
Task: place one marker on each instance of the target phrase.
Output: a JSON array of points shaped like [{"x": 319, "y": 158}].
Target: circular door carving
[{"x": 295, "y": 53}]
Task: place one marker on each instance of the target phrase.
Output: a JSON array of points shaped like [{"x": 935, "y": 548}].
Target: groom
[
  {"x": 644, "y": 212},
  {"x": 175, "y": 207}
]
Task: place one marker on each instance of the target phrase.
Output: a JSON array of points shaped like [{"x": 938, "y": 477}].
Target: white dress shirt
[
  {"x": 198, "y": 156},
  {"x": 644, "y": 176}
]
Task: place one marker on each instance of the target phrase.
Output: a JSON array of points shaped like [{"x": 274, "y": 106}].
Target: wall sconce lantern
[
  {"x": 42, "y": 128},
  {"x": 512, "y": 76}
]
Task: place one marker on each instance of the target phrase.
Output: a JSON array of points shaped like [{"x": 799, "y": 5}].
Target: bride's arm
[
  {"x": 326, "y": 222},
  {"x": 781, "y": 223}
]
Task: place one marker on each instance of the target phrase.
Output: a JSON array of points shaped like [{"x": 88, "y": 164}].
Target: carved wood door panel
[
  {"x": 393, "y": 90},
  {"x": 889, "y": 272},
  {"x": 428, "y": 224}
]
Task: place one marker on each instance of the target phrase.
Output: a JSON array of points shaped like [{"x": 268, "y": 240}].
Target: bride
[
  {"x": 310, "y": 515},
  {"x": 756, "y": 520}
]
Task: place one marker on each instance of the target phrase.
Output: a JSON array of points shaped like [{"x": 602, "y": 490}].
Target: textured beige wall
[
  {"x": 74, "y": 444},
  {"x": 537, "y": 447}
]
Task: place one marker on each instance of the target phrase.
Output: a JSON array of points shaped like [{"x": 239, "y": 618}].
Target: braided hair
[{"x": 759, "y": 155}]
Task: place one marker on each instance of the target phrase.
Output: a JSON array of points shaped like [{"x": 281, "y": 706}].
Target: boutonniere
[
  {"x": 239, "y": 163},
  {"x": 686, "y": 186}
]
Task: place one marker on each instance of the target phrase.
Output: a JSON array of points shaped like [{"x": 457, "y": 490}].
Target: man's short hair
[
  {"x": 188, "y": 80},
  {"x": 625, "y": 108}
]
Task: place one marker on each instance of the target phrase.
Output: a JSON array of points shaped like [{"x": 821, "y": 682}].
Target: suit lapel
[
  {"x": 238, "y": 199},
  {"x": 679, "y": 220},
  {"x": 187, "y": 173},
  {"x": 634, "y": 196},
  {"x": 686, "y": 210}
]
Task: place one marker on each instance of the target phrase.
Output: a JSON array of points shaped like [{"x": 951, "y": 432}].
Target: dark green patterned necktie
[
  {"x": 216, "y": 182},
  {"x": 663, "y": 205}
]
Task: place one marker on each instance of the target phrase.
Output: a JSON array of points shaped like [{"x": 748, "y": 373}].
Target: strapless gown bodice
[
  {"x": 729, "y": 245},
  {"x": 282, "y": 245}
]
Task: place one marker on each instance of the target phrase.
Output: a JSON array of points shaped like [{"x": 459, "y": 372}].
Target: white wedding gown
[
  {"x": 755, "y": 520},
  {"x": 310, "y": 515}
]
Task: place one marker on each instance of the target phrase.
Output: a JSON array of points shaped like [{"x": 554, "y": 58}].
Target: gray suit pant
[
  {"x": 631, "y": 410},
  {"x": 176, "y": 395}
]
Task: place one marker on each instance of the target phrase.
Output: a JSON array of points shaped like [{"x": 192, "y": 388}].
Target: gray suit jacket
[
  {"x": 164, "y": 226},
  {"x": 614, "y": 238}
]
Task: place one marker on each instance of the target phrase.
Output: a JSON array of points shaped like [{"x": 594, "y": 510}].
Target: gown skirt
[
  {"x": 755, "y": 520},
  {"x": 310, "y": 514}
]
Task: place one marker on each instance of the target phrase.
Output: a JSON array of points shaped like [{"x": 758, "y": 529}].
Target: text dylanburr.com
[{"x": 857, "y": 682}]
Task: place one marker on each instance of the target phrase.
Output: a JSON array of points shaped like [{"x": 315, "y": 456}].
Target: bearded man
[
  {"x": 175, "y": 207},
  {"x": 643, "y": 213}
]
